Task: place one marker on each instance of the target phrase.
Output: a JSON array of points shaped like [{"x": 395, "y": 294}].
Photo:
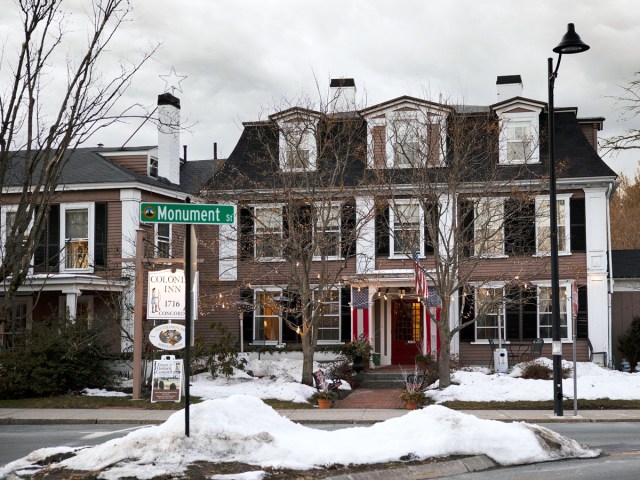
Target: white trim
[
  {"x": 267, "y": 289},
  {"x": 490, "y": 202},
  {"x": 316, "y": 220},
  {"x": 266, "y": 206}
]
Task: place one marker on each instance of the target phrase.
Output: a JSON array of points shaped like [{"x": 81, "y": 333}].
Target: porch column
[
  {"x": 228, "y": 250},
  {"x": 365, "y": 242},
  {"x": 72, "y": 305},
  {"x": 597, "y": 302},
  {"x": 130, "y": 222}
]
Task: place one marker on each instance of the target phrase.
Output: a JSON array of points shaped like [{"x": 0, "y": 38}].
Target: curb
[{"x": 431, "y": 470}]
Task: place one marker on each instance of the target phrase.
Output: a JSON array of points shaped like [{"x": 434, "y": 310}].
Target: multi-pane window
[
  {"x": 329, "y": 310},
  {"x": 545, "y": 313},
  {"x": 297, "y": 145},
  {"x": 12, "y": 332},
  {"x": 490, "y": 313},
  {"x": 266, "y": 317},
  {"x": 153, "y": 167},
  {"x": 489, "y": 227},
  {"x": 407, "y": 231},
  {"x": 163, "y": 240},
  {"x": 519, "y": 142},
  {"x": 76, "y": 238},
  {"x": 406, "y": 144},
  {"x": 327, "y": 234},
  {"x": 543, "y": 225},
  {"x": 268, "y": 232}
]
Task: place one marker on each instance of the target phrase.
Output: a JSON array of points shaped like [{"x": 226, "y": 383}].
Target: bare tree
[
  {"x": 297, "y": 219},
  {"x": 629, "y": 102},
  {"x": 43, "y": 121},
  {"x": 454, "y": 204},
  {"x": 625, "y": 214}
]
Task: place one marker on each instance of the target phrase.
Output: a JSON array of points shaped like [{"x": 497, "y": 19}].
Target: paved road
[
  {"x": 621, "y": 441},
  {"x": 16, "y": 441}
]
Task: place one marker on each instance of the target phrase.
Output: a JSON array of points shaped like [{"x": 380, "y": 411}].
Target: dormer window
[
  {"x": 297, "y": 144},
  {"x": 153, "y": 167},
  {"x": 408, "y": 134},
  {"x": 519, "y": 127}
]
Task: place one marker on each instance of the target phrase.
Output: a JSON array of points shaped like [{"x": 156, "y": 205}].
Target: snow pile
[
  {"x": 101, "y": 392},
  {"x": 243, "y": 429},
  {"x": 593, "y": 381},
  {"x": 273, "y": 379}
]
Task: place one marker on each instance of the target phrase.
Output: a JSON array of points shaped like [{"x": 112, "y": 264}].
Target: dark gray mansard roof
[
  {"x": 575, "y": 157},
  {"x": 87, "y": 166}
]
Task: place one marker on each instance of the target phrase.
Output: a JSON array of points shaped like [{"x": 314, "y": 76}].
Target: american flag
[{"x": 419, "y": 276}]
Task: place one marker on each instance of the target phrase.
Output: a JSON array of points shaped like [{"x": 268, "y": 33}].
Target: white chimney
[
  {"x": 509, "y": 86},
  {"x": 343, "y": 95},
  {"x": 169, "y": 137}
]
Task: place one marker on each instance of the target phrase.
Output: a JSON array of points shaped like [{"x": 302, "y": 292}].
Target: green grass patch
[
  {"x": 600, "y": 404},
  {"x": 76, "y": 401}
]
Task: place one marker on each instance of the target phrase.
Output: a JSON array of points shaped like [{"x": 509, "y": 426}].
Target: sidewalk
[{"x": 363, "y": 416}]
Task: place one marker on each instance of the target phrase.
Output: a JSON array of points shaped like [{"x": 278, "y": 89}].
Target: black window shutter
[
  {"x": 246, "y": 296},
  {"x": 53, "y": 238},
  {"x": 345, "y": 314},
  {"x": 39, "y": 255},
  {"x": 431, "y": 218},
  {"x": 382, "y": 230},
  {"x": 578, "y": 225},
  {"x": 246, "y": 234},
  {"x": 467, "y": 304},
  {"x": 465, "y": 221},
  {"x": 519, "y": 227},
  {"x": 348, "y": 221},
  {"x": 100, "y": 235},
  {"x": 582, "y": 330}
]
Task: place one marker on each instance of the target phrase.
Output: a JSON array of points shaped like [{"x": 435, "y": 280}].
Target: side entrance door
[{"x": 406, "y": 331}]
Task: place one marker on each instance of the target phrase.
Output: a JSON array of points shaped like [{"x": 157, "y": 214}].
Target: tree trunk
[
  {"x": 444, "y": 357},
  {"x": 308, "y": 350}
]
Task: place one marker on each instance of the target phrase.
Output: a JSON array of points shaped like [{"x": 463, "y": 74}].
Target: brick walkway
[{"x": 372, "y": 398}]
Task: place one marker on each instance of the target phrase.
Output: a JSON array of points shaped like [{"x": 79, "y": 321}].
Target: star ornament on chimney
[{"x": 172, "y": 81}]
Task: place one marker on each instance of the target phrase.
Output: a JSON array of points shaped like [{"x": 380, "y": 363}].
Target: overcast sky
[{"x": 243, "y": 57}]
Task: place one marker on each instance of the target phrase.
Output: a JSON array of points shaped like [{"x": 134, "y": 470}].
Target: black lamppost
[{"x": 570, "y": 43}]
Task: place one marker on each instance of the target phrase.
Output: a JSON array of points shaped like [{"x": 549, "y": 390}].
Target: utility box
[{"x": 501, "y": 360}]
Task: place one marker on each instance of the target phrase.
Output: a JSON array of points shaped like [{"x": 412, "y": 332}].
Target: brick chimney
[
  {"x": 169, "y": 137},
  {"x": 342, "y": 95},
  {"x": 509, "y": 86}
]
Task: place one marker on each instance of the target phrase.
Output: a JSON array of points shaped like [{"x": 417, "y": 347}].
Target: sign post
[{"x": 188, "y": 214}]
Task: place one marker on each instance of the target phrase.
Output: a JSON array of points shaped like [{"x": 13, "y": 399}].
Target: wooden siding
[
  {"x": 624, "y": 306},
  {"x": 480, "y": 354},
  {"x": 134, "y": 163},
  {"x": 590, "y": 131}
]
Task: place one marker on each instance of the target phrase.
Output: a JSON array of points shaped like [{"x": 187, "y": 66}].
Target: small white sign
[
  {"x": 170, "y": 336},
  {"x": 167, "y": 380},
  {"x": 165, "y": 295}
]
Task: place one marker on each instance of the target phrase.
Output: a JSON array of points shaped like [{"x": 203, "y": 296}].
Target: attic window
[
  {"x": 153, "y": 167},
  {"x": 297, "y": 145}
]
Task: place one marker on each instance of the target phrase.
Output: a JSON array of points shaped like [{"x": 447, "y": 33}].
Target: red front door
[{"x": 406, "y": 331}]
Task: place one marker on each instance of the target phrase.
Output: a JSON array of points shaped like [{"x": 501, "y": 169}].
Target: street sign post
[{"x": 187, "y": 213}]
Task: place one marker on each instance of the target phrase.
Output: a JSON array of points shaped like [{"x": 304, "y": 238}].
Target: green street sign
[{"x": 187, "y": 213}]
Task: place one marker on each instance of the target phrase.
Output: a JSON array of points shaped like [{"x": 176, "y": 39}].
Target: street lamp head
[{"x": 571, "y": 42}]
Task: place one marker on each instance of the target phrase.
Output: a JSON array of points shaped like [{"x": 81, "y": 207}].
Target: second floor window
[
  {"x": 543, "y": 225},
  {"x": 519, "y": 142},
  {"x": 76, "y": 238},
  {"x": 327, "y": 233},
  {"x": 163, "y": 240},
  {"x": 406, "y": 228},
  {"x": 268, "y": 232},
  {"x": 488, "y": 227}
]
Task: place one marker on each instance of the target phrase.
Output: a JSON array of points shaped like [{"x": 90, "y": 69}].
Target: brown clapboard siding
[
  {"x": 480, "y": 354},
  {"x": 134, "y": 163}
]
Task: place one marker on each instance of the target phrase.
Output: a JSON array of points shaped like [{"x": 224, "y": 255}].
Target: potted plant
[
  {"x": 324, "y": 398},
  {"x": 412, "y": 397},
  {"x": 359, "y": 352}
]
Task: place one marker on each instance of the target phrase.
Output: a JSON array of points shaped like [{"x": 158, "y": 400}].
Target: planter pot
[
  {"x": 324, "y": 403},
  {"x": 358, "y": 364},
  {"x": 410, "y": 405}
]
